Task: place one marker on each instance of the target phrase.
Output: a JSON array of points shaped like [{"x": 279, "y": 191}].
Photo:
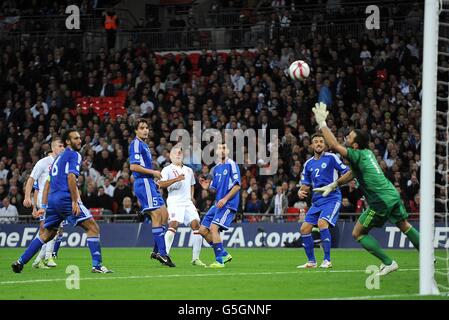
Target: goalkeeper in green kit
[{"x": 383, "y": 199}]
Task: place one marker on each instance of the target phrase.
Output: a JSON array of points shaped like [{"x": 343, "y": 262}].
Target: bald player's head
[
  {"x": 176, "y": 155},
  {"x": 57, "y": 146}
]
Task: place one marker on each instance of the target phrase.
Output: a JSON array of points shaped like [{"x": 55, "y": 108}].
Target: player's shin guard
[
  {"x": 372, "y": 246},
  {"x": 57, "y": 245},
  {"x": 307, "y": 242},
  {"x": 49, "y": 246},
  {"x": 326, "y": 240},
  {"x": 169, "y": 237},
  {"x": 158, "y": 236},
  {"x": 34, "y": 247},
  {"x": 95, "y": 250},
  {"x": 413, "y": 235},
  {"x": 196, "y": 246}
]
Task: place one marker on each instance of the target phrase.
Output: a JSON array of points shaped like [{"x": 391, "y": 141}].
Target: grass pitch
[{"x": 253, "y": 274}]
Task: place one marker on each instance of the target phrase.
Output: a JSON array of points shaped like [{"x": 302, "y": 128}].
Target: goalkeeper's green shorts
[{"x": 371, "y": 218}]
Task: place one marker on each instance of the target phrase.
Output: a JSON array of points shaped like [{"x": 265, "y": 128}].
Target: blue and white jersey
[
  {"x": 321, "y": 172},
  {"x": 67, "y": 162},
  {"x": 225, "y": 176},
  {"x": 139, "y": 153}
]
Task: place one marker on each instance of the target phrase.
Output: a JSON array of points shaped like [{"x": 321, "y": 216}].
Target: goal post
[{"x": 428, "y": 145}]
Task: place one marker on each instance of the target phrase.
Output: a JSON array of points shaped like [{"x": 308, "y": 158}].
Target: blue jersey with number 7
[
  {"x": 321, "y": 172},
  {"x": 225, "y": 176}
]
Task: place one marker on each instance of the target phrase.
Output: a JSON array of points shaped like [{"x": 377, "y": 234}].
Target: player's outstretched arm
[
  {"x": 138, "y": 168},
  {"x": 320, "y": 117}
]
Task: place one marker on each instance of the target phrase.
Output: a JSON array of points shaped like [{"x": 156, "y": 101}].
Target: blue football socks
[
  {"x": 32, "y": 249},
  {"x": 307, "y": 242},
  {"x": 159, "y": 241},
  {"x": 95, "y": 250},
  {"x": 326, "y": 243}
]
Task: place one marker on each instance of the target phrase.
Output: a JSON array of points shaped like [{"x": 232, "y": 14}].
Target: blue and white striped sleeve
[{"x": 135, "y": 155}]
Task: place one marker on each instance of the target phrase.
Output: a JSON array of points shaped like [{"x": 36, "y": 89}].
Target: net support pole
[{"x": 428, "y": 126}]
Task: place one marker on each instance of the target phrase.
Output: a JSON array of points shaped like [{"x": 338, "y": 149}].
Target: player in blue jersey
[
  {"x": 320, "y": 170},
  {"x": 224, "y": 180},
  {"x": 61, "y": 201},
  {"x": 147, "y": 192}
]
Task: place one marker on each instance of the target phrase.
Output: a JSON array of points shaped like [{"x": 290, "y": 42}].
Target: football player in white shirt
[
  {"x": 40, "y": 174},
  {"x": 179, "y": 181}
]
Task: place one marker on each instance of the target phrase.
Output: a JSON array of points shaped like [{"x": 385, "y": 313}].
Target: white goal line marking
[{"x": 196, "y": 275}]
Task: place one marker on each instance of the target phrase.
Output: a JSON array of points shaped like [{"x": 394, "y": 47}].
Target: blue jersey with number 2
[{"x": 321, "y": 172}]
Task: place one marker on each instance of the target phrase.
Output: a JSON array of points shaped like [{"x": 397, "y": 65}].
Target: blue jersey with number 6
[
  {"x": 321, "y": 172},
  {"x": 67, "y": 162}
]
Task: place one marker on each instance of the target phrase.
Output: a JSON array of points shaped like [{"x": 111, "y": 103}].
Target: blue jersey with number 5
[
  {"x": 321, "y": 172},
  {"x": 225, "y": 176},
  {"x": 67, "y": 162}
]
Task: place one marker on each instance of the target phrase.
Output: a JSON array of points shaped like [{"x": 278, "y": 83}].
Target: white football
[{"x": 299, "y": 70}]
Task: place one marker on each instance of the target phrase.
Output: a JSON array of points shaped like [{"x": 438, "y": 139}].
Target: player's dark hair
[
  {"x": 317, "y": 134},
  {"x": 361, "y": 138},
  {"x": 66, "y": 135},
  {"x": 138, "y": 122}
]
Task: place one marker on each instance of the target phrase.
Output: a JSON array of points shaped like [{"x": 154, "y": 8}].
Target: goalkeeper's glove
[
  {"x": 327, "y": 189},
  {"x": 320, "y": 114}
]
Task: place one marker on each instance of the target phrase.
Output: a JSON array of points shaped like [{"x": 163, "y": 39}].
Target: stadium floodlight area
[{"x": 434, "y": 254}]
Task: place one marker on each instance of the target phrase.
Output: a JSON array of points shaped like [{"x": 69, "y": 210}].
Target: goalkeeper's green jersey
[{"x": 379, "y": 192}]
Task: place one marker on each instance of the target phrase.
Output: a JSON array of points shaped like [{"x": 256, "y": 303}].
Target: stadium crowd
[{"x": 372, "y": 83}]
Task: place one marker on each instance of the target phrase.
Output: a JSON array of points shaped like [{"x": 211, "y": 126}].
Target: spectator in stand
[
  {"x": 103, "y": 200},
  {"x": 278, "y": 205},
  {"x": 254, "y": 205},
  {"x": 108, "y": 187},
  {"x": 9, "y": 213},
  {"x": 90, "y": 198},
  {"x": 121, "y": 191},
  {"x": 146, "y": 107},
  {"x": 412, "y": 187},
  {"x": 351, "y": 192},
  {"x": 107, "y": 89},
  {"x": 346, "y": 206},
  {"x": 127, "y": 207},
  {"x": 111, "y": 23}
]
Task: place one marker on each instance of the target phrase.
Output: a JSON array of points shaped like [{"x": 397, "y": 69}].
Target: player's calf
[
  {"x": 307, "y": 242},
  {"x": 44, "y": 236},
  {"x": 411, "y": 233},
  {"x": 93, "y": 242},
  {"x": 170, "y": 235},
  {"x": 197, "y": 243}
]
